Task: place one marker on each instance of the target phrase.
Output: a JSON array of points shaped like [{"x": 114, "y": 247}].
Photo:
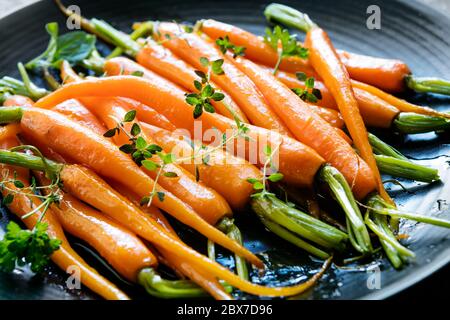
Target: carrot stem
[
  {"x": 143, "y": 29},
  {"x": 411, "y": 123},
  {"x": 344, "y": 196},
  {"x": 288, "y": 16},
  {"x": 10, "y": 114},
  {"x": 382, "y": 148},
  {"x": 428, "y": 84},
  {"x": 29, "y": 161},
  {"x": 406, "y": 169}
]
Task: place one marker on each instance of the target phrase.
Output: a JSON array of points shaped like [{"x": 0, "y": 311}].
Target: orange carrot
[
  {"x": 311, "y": 129},
  {"x": 298, "y": 162},
  {"x": 325, "y": 61},
  {"x": 205, "y": 201},
  {"x": 84, "y": 184},
  {"x": 65, "y": 257},
  {"x": 86, "y": 147},
  {"x": 387, "y": 74},
  {"x": 18, "y": 100},
  {"x": 162, "y": 61},
  {"x": 375, "y": 111},
  {"x": 224, "y": 173},
  {"x": 400, "y": 104},
  {"x": 191, "y": 47}
]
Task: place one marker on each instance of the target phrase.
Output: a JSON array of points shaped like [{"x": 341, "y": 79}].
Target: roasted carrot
[
  {"x": 224, "y": 173},
  {"x": 191, "y": 47},
  {"x": 311, "y": 129},
  {"x": 210, "y": 284},
  {"x": 375, "y": 111},
  {"x": 18, "y": 100},
  {"x": 162, "y": 61},
  {"x": 388, "y": 74},
  {"x": 65, "y": 256},
  {"x": 324, "y": 59},
  {"x": 298, "y": 162},
  {"x": 85, "y": 146},
  {"x": 205, "y": 201},
  {"x": 147, "y": 114}
]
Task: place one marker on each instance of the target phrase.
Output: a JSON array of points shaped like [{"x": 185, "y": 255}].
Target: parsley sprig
[
  {"x": 285, "y": 44},
  {"x": 309, "y": 93},
  {"x": 260, "y": 185},
  {"x": 225, "y": 45},
  {"x": 201, "y": 100}
]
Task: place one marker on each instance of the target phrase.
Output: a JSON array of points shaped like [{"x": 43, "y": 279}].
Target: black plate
[{"x": 411, "y": 32}]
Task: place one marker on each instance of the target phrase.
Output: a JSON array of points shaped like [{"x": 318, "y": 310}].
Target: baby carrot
[
  {"x": 191, "y": 47},
  {"x": 85, "y": 146},
  {"x": 65, "y": 256},
  {"x": 325, "y": 61},
  {"x": 311, "y": 129}
]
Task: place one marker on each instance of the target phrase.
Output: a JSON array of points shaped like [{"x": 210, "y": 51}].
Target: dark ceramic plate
[{"x": 409, "y": 31}]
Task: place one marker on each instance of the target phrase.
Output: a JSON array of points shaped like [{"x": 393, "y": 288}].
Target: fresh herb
[
  {"x": 225, "y": 45},
  {"x": 73, "y": 47},
  {"x": 285, "y": 44},
  {"x": 201, "y": 101},
  {"x": 309, "y": 93},
  {"x": 260, "y": 185},
  {"x": 21, "y": 247}
]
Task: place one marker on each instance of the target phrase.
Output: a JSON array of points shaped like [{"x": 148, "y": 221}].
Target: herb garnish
[{"x": 309, "y": 93}]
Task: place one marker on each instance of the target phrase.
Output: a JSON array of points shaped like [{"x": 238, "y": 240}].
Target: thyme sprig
[{"x": 309, "y": 93}]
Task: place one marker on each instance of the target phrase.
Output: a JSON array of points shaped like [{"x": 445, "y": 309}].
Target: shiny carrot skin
[
  {"x": 298, "y": 163},
  {"x": 162, "y": 61},
  {"x": 386, "y": 74},
  {"x": 85, "y": 146},
  {"x": 125, "y": 252},
  {"x": 205, "y": 201},
  {"x": 325, "y": 61},
  {"x": 65, "y": 256},
  {"x": 203, "y": 279},
  {"x": 311, "y": 129},
  {"x": 80, "y": 182},
  {"x": 18, "y": 100},
  {"x": 192, "y": 47},
  {"x": 224, "y": 173},
  {"x": 375, "y": 111}
]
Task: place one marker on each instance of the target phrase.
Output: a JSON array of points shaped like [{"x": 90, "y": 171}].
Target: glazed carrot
[
  {"x": 401, "y": 104},
  {"x": 85, "y": 146},
  {"x": 311, "y": 129},
  {"x": 375, "y": 111},
  {"x": 147, "y": 114},
  {"x": 191, "y": 47},
  {"x": 210, "y": 284},
  {"x": 18, "y": 100},
  {"x": 224, "y": 173},
  {"x": 205, "y": 201},
  {"x": 65, "y": 256},
  {"x": 120, "y": 247},
  {"x": 298, "y": 162},
  {"x": 76, "y": 111},
  {"x": 162, "y": 61},
  {"x": 387, "y": 74},
  {"x": 325, "y": 61}
]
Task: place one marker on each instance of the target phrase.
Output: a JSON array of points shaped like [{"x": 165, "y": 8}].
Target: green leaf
[
  {"x": 127, "y": 148},
  {"x": 275, "y": 177},
  {"x": 317, "y": 93},
  {"x": 150, "y": 165},
  {"x": 74, "y": 47},
  {"x": 167, "y": 158},
  {"x": 204, "y": 61},
  {"x": 193, "y": 99},
  {"x": 209, "y": 108},
  {"x": 252, "y": 180},
  {"x": 218, "y": 96},
  {"x": 137, "y": 73},
  {"x": 111, "y": 132},
  {"x": 18, "y": 184},
  {"x": 170, "y": 174},
  {"x": 144, "y": 200},
  {"x": 135, "y": 129},
  {"x": 141, "y": 143},
  {"x": 267, "y": 150},
  {"x": 258, "y": 185},
  {"x": 129, "y": 116},
  {"x": 301, "y": 76},
  {"x": 198, "y": 110},
  {"x": 207, "y": 91},
  {"x": 198, "y": 85},
  {"x": 8, "y": 199},
  {"x": 160, "y": 196},
  {"x": 153, "y": 148},
  {"x": 216, "y": 67},
  {"x": 309, "y": 83},
  {"x": 202, "y": 75}
]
